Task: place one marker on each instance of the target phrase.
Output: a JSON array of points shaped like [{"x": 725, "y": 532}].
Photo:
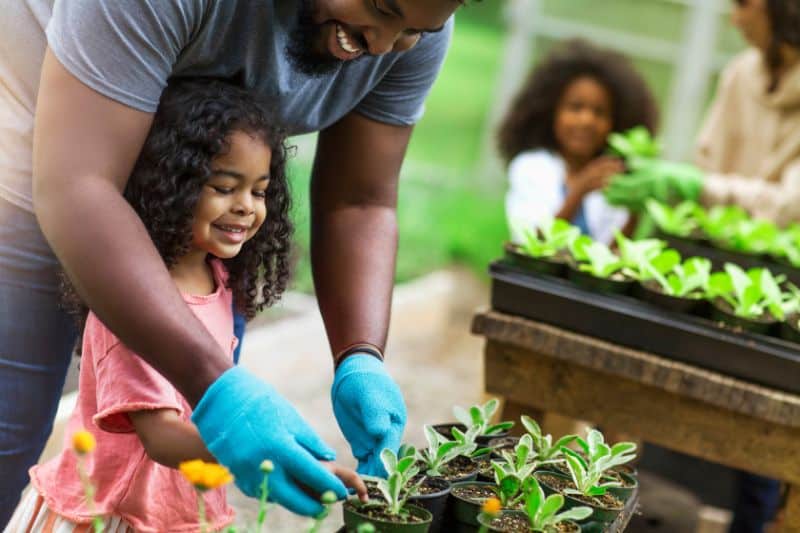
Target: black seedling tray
[{"x": 637, "y": 324}]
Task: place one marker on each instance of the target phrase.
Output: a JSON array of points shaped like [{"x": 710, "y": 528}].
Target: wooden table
[{"x": 672, "y": 404}]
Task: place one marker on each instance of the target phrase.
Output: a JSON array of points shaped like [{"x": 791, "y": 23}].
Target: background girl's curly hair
[
  {"x": 784, "y": 20},
  {"x": 192, "y": 125},
  {"x": 529, "y": 122}
]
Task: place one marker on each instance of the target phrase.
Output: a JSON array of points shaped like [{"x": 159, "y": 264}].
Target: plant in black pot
[
  {"x": 546, "y": 451},
  {"x": 682, "y": 289},
  {"x": 596, "y": 267},
  {"x": 682, "y": 220},
  {"x": 751, "y": 236},
  {"x": 751, "y": 301},
  {"x": 448, "y": 459},
  {"x": 393, "y": 514},
  {"x": 477, "y": 421},
  {"x": 545, "y": 247},
  {"x": 540, "y": 514},
  {"x": 720, "y": 221},
  {"x": 592, "y": 476}
]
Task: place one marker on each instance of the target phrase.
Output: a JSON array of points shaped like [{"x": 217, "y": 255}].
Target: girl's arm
[{"x": 167, "y": 439}]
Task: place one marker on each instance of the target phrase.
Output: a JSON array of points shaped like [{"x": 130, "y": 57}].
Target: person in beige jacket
[
  {"x": 748, "y": 151},
  {"x": 750, "y": 142}
]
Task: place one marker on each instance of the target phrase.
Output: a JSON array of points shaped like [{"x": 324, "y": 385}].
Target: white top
[{"x": 537, "y": 190}]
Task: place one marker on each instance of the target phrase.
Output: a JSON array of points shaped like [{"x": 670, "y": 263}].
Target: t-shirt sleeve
[
  {"x": 126, "y": 383},
  {"x": 123, "y": 49},
  {"x": 399, "y": 98},
  {"x": 534, "y": 191}
]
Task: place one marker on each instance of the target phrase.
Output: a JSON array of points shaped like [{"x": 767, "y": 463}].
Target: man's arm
[
  {"x": 354, "y": 227},
  {"x": 85, "y": 145}
]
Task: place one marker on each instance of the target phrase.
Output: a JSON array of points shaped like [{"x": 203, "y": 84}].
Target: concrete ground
[{"x": 436, "y": 362}]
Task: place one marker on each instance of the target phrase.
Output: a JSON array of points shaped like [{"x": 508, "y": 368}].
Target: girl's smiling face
[
  {"x": 232, "y": 204},
  {"x": 752, "y": 20},
  {"x": 583, "y": 118}
]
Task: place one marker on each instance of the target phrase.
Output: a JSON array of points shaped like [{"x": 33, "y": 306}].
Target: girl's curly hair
[
  {"x": 529, "y": 122},
  {"x": 784, "y": 20},
  {"x": 192, "y": 125}
]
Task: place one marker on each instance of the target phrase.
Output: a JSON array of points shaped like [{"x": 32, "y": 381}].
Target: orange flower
[
  {"x": 491, "y": 507},
  {"x": 83, "y": 442},
  {"x": 204, "y": 475}
]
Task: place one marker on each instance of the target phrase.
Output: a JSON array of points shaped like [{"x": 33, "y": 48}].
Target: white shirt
[{"x": 537, "y": 190}]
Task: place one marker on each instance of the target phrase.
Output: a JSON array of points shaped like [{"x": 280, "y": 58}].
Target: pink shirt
[{"x": 113, "y": 382}]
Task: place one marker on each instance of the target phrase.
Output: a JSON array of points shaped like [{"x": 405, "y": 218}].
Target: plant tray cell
[{"x": 636, "y": 324}]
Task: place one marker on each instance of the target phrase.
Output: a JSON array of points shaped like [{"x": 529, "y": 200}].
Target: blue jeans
[
  {"x": 757, "y": 500},
  {"x": 36, "y": 341}
]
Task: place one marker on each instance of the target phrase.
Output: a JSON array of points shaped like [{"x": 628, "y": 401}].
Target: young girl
[
  {"x": 555, "y": 134},
  {"x": 210, "y": 187}
]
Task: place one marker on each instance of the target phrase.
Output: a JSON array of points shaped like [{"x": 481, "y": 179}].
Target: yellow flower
[
  {"x": 83, "y": 442},
  {"x": 491, "y": 507},
  {"x": 204, "y": 475}
]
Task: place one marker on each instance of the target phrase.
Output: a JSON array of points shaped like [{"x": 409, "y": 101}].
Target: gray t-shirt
[{"x": 127, "y": 49}]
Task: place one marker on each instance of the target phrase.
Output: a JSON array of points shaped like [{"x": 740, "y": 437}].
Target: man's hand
[
  {"x": 665, "y": 181},
  {"x": 244, "y": 421},
  {"x": 370, "y": 410}
]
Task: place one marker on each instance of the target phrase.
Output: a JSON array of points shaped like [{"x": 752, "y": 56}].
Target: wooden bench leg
[{"x": 790, "y": 521}]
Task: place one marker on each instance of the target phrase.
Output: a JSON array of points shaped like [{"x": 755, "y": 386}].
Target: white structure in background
[{"x": 694, "y": 59}]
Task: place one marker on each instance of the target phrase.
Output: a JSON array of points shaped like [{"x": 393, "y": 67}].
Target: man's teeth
[{"x": 344, "y": 42}]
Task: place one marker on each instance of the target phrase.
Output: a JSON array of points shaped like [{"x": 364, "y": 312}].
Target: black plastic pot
[
  {"x": 627, "y": 469},
  {"x": 650, "y": 291},
  {"x": 599, "y": 514},
  {"x": 502, "y": 442},
  {"x": 604, "y": 285},
  {"x": 486, "y": 521},
  {"x": 789, "y": 329},
  {"x": 624, "y": 493},
  {"x": 353, "y": 518},
  {"x": 480, "y": 440},
  {"x": 463, "y": 513},
  {"x": 435, "y": 502},
  {"x": 721, "y": 311},
  {"x": 552, "y": 266}
]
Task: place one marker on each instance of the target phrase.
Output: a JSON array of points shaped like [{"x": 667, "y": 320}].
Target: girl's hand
[
  {"x": 596, "y": 174},
  {"x": 349, "y": 477}
]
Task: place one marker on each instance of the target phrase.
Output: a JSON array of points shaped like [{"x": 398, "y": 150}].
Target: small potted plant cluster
[
  {"x": 546, "y": 249},
  {"x": 753, "y": 300}
]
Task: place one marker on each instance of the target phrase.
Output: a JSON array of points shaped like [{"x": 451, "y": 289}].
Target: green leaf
[
  {"x": 476, "y": 415},
  {"x": 576, "y": 513},
  {"x": 444, "y": 449},
  {"x": 531, "y": 426},
  {"x": 389, "y": 460},
  {"x": 499, "y": 428},
  {"x": 510, "y": 486},
  {"x": 490, "y": 408},
  {"x": 596, "y": 491},
  {"x": 533, "y": 499},
  {"x": 462, "y": 415},
  {"x": 551, "y": 505}
]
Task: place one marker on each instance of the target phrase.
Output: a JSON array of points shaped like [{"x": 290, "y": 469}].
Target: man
[{"x": 357, "y": 71}]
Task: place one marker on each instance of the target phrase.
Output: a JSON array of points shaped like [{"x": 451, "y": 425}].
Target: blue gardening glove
[
  {"x": 244, "y": 421},
  {"x": 665, "y": 181},
  {"x": 370, "y": 410}
]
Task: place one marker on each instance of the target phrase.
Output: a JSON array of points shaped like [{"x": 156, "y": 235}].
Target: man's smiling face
[{"x": 330, "y": 32}]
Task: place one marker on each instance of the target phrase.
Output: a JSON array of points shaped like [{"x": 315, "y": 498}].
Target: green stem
[
  {"x": 89, "y": 490},
  {"x": 320, "y": 518},
  {"x": 262, "y": 503},
  {"x": 201, "y": 511}
]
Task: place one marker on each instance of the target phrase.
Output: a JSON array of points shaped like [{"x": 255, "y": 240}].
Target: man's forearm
[
  {"x": 114, "y": 266},
  {"x": 353, "y": 260}
]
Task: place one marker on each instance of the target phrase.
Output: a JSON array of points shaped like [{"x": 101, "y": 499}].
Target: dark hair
[
  {"x": 784, "y": 20},
  {"x": 192, "y": 125},
  {"x": 529, "y": 122}
]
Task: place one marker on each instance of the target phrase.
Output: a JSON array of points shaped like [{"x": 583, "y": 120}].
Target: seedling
[
  {"x": 478, "y": 418},
  {"x": 440, "y": 451},
  {"x": 521, "y": 462},
  {"x": 543, "y": 512},
  {"x": 681, "y": 220},
  {"x": 687, "y": 280},
  {"x": 543, "y": 444},
  {"x": 720, "y": 221},
  {"x": 748, "y": 293},
  {"x": 595, "y": 257},
  {"x": 398, "y": 486},
  {"x": 636, "y": 142},
  {"x": 641, "y": 257},
  {"x": 551, "y": 236}
]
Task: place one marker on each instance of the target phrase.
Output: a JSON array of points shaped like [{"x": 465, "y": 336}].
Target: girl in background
[{"x": 555, "y": 133}]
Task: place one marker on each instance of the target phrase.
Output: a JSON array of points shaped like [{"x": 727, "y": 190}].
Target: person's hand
[
  {"x": 596, "y": 174},
  {"x": 370, "y": 410},
  {"x": 244, "y": 421},
  {"x": 666, "y": 181},
  {"x": 350, "y": 478}
]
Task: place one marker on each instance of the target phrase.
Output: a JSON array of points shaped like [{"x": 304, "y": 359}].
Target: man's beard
[{"x": 300, "y": 46}]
